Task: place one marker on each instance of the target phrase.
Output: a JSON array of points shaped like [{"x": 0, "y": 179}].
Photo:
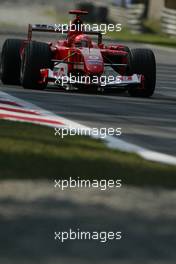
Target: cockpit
[{"x": 82, "y": 41}]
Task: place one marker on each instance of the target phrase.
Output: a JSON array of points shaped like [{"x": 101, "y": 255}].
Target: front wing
[{"x": 61, "y": 78}]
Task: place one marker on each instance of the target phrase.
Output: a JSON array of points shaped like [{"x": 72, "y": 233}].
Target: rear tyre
[
  {"x": 143, "y": 62},
  {"x": 11, "y": 61},
  {"x": 36, "y": 56}
]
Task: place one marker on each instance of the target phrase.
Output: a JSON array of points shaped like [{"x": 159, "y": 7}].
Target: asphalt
[{"x": 31, "y": 211}]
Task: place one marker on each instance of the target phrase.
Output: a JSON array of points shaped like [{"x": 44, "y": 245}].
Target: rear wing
[
  {"x": 40, "y": 28},
  {"x": 54, "y": 29}
]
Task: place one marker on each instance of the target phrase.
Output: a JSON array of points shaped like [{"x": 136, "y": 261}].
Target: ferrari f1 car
[{"x": 35, "y": 64}]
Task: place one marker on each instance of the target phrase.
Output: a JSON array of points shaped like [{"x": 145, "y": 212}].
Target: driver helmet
[{"x": 82, "y": 41}]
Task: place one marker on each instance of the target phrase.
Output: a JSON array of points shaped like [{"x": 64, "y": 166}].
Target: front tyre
[
  {"x": 11, "y": 61},
  {"x": 36, "y": 56},
  {"x": 143, "y": 62}
]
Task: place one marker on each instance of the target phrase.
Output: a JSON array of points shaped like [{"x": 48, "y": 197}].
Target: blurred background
[
  {"x": 147, "y": 21},
  {"x": 137, "y": 15}
]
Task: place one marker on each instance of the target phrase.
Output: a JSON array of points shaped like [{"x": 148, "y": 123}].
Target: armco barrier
[
  {"x": 135, "y": 14},
  {"x": 118, "y": 14},
  {"x": 168, "y": 21}
]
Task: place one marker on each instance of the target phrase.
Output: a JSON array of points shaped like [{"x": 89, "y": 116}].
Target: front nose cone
[{"x": 95, "y": 69}]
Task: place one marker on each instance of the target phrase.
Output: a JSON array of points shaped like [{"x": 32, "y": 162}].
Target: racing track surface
[
  {"x": 150, "y": 123},
  {"x": 31, "y": 210}
]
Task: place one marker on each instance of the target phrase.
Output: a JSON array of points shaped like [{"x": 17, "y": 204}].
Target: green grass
[
  {"x": 34, "y": 152},
  {"x": 7, "y": 25},
  {"x": 147, "y": 38}
]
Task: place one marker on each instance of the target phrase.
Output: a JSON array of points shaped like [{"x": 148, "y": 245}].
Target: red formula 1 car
[{"x": 77, "y": 61}]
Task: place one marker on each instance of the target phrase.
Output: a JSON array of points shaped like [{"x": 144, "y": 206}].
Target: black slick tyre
[
  {"x": 143, "y": 62},
  {"x": 36, "y": 56},
  {"x": 11, "y": 61}
]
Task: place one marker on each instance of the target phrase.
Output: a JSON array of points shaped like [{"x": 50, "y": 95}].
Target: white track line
[{"x": 111, "y": 142}]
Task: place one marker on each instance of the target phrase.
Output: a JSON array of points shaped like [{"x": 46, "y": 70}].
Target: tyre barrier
[
  {"x": 168, "y": 21},
  {"x": 135, "y": 15},
  {"x": 90, "y": 17},
  {"x": 96, "y": 13}
]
